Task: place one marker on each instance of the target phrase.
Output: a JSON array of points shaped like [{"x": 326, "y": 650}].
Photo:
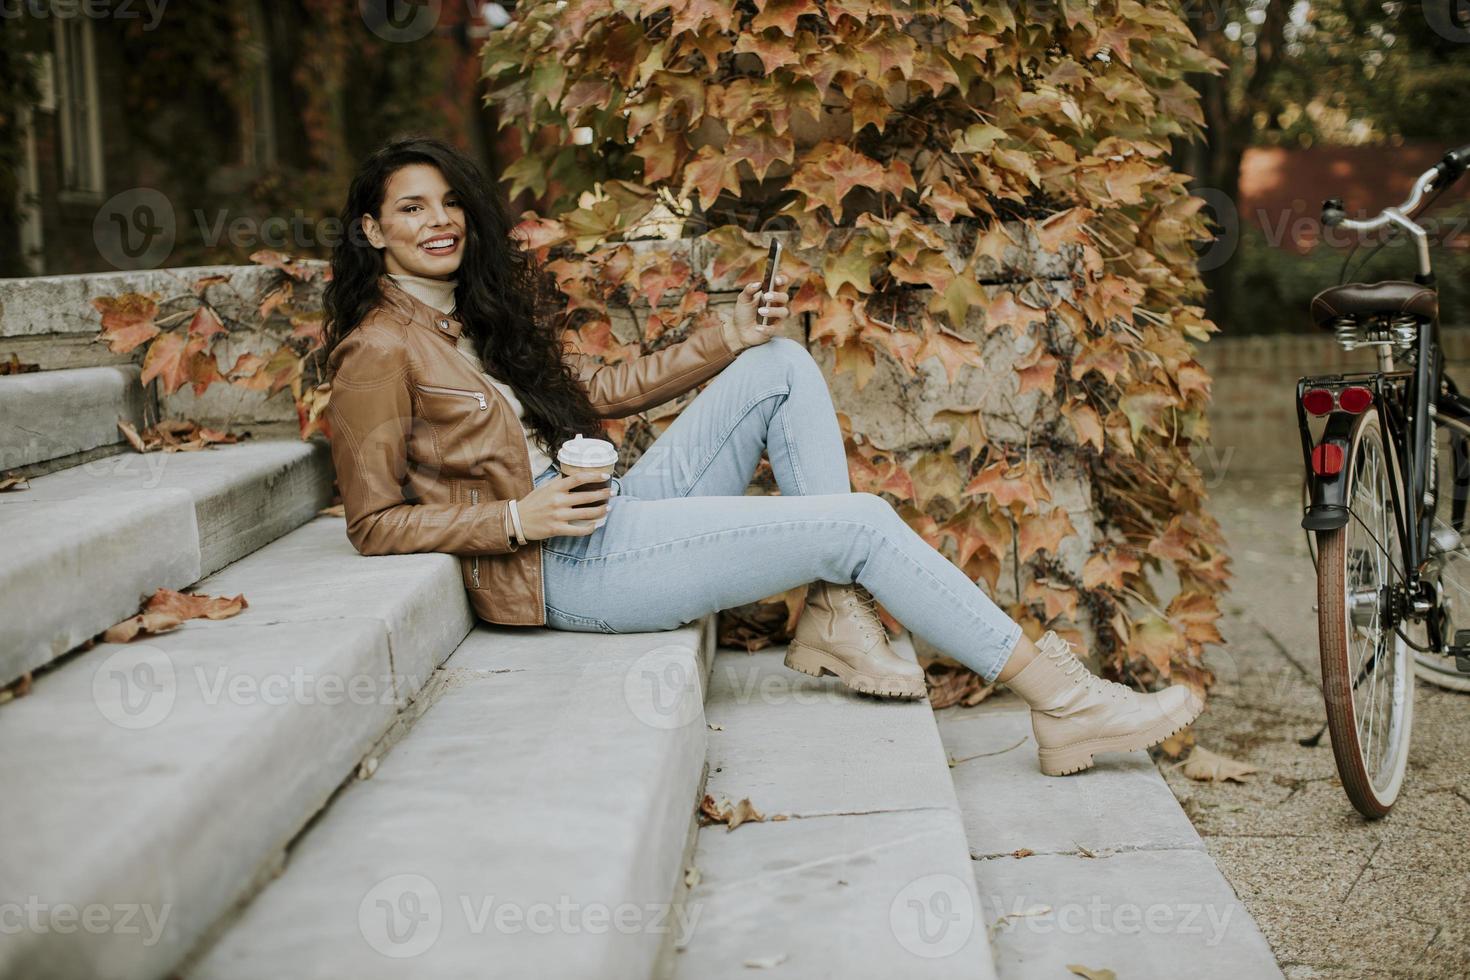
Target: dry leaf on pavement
[
  {"x": 166, "y": 609},
  {"x": 731, "y": 816},
  {"x": 1206, "y": 766},
  {"x": 12, "y": 482},
  {"x": 1022, "y": 852},
  {"x": 1092, "y": 973}
]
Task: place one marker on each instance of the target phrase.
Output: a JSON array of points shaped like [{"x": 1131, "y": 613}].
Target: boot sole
[
  {"x": 1068, "y": 759},
  {"x": 807, "y": 660}
]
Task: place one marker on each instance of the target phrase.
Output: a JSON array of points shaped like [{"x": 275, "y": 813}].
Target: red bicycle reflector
[
  {"x": 1317, "y": 401},
  {"x": 1327, "y": 459},
  {"x": 1355, "y": 399}
]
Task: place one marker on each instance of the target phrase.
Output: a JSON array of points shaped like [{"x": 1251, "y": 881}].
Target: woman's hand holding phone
[
  {"x": 751, "y": 308},
  {"x": 551, "y": 510}
]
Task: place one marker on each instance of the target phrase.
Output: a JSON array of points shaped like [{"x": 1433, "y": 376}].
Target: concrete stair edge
[
  {"x": 1101, "y": 868},
  {"x": 48, "y": 416},
  {"x": 168, "y": 774},
  {"x": 860, "y": 867},
  {"x": 487, "y": 797},
  {"x": 88, "y": 543}
]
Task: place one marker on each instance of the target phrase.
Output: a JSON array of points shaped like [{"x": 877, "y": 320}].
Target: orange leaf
[
  {"x": 1005, "y": 311},
  {"x": 205, "y": 324},
  {"x": 857, "y": 358},
  {"x": 1044, "y": 531},
  {"x": 127, "y": 320},
  {"x": 1005, "y": 485},
  {"x": 171, "y": 357},
  {"x": 953, "y": 351},
  {"x": 1108, "y": 568}
]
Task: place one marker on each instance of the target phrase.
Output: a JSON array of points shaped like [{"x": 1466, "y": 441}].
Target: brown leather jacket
[{"x": 428, "y": 452}]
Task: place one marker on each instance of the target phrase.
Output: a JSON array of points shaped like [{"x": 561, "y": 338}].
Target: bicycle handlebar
[{"x": 1441, "y": 175}]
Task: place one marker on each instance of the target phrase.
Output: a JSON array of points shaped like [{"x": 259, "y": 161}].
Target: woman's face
[{"x": 421, "y": 228}]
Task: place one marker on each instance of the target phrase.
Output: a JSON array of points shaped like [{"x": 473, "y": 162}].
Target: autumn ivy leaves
[
  {"x": 179, "y": 346},
  {"x": 957, "y": 174}
]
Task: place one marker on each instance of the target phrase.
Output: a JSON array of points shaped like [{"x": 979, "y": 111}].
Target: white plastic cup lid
[{"x": 578, "y": 451}]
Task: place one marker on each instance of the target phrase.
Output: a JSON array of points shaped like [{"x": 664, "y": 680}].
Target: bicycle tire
[{"x": 1372, "y": 797}]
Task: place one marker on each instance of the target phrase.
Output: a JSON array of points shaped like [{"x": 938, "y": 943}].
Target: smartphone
[{"x": 768, "y": 284}]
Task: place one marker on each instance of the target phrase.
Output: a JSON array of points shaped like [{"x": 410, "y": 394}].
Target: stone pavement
[{"x": 1336, "y": 895}]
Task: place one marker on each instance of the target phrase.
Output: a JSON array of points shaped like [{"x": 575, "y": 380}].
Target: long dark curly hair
[{"x": 509, "y": 305}]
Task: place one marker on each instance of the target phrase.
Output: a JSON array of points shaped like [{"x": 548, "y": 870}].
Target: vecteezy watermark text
[{"x": 89, "y": 9}]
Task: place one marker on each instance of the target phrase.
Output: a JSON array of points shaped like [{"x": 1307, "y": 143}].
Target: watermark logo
[
  {"x": 400, "y": 21},
  {"x": 401, "y": 916},
  {"x": 135, "y": 687},
  {"x": 662, "y": 688},
  {"x": 135, "y": 229},
  {"x": 933, "y": 916}
]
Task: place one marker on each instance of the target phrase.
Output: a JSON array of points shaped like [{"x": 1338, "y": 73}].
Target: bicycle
[{"x": 1391, "y": 571}]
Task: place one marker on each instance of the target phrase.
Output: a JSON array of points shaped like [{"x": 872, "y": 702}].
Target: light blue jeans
[{"x": 682, "y": 539}]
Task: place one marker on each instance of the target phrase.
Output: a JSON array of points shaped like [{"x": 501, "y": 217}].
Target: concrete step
[
  {"x": 531, "y": 824},
  {"x": 50, "y": 320},
  {"x": 867, "y": 875},
  {"x": 149, "y": 786},
  {"x": 1148, "y": 902},
  {"x": 66, "y": 415},
  {"x": 85, "y": 544}
]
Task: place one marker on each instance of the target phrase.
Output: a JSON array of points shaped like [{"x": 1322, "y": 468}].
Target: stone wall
[{"x": 49, "y": 321}]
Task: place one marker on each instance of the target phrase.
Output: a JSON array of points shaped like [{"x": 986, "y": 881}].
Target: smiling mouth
[{"x": 442, "y": 245}]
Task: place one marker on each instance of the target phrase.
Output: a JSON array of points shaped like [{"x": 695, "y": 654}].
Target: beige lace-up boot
[
  {"x": 1075, "y": 713},
  {"x": 839, "y": 633}
]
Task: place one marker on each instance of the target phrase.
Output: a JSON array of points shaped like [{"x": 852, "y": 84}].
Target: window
[{"x": 77, "y": 115}]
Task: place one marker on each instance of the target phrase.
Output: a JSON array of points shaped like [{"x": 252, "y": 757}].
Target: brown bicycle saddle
[{"x": 1359, "y": 298}]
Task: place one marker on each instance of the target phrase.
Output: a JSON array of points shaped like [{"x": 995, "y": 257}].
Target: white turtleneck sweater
[{"x": 439, "y": 294}]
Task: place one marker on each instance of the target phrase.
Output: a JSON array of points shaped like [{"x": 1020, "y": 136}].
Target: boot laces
[
  {"x": 1065, "y": 657},
  {"x": 867, "y": 613}
]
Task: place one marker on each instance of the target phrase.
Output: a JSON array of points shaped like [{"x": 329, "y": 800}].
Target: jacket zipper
[
  {"x": 478, "y": 396},
  {"x": 475, "y": 561}
]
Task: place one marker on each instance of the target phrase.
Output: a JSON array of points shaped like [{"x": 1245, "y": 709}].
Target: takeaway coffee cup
[{"x": 590, "y": 456}]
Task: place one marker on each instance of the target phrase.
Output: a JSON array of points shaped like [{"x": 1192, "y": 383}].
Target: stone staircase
[{"x": 354, "y": 778}]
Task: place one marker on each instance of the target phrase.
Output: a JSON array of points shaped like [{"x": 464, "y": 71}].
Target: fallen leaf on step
[
  {"x": 1090, "y": 973},
  {"x": 716, "y": 728},
  {"x": 781, "y": 816},
  {"x": 1085, "y": 851},
  {"x": 174, "y": 436},
  {"x": 166, "y": 609},
  {"x": 730, "y": 816},
  {"x": 691, "y": 876},
  {"x": 1022, "y": 852},
  {"x": 336, "y": 510},
  {"x": 999, "y": 923},
  {"x": 9, "y": 482},
  {"x": 1206, "y": 766},
  {"x": 954, "y": 684},
  {"x": 15, "y": 366},
  {"x": 766, "y": 962}
]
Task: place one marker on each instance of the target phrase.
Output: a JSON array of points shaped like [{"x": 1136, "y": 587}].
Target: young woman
[{"x": 451, "y": 394}]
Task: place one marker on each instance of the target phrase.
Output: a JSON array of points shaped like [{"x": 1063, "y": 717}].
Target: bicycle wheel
[
  {"x": 1367, "y": 678},
  {"x": 1449, "y": 566}
]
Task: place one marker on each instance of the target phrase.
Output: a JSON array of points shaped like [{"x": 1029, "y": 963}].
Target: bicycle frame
[{"x": 1407, "y": 416}]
